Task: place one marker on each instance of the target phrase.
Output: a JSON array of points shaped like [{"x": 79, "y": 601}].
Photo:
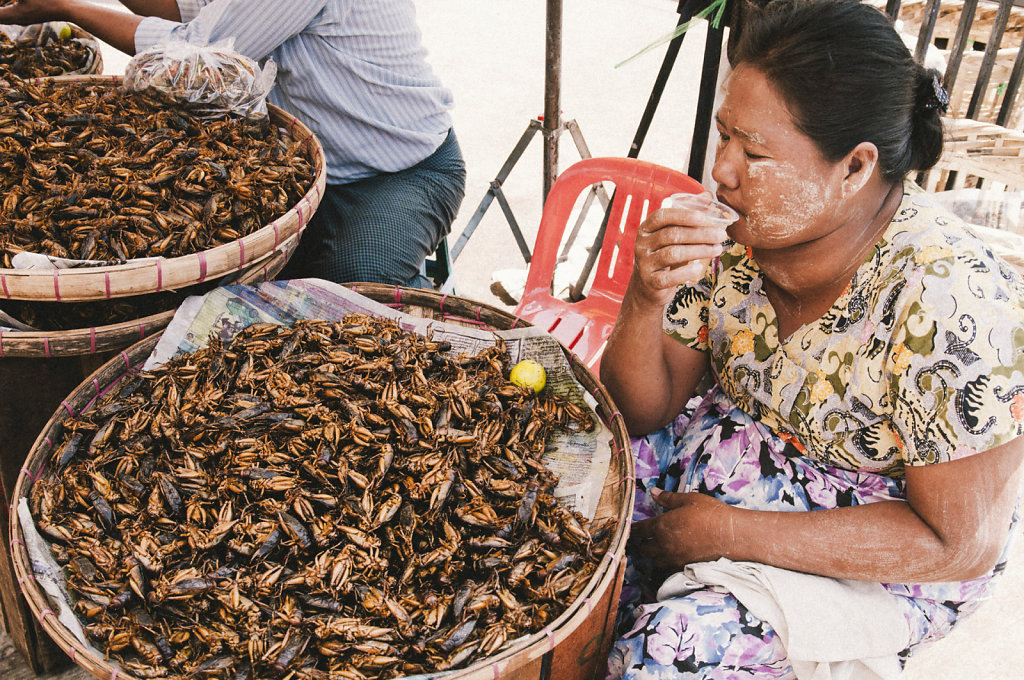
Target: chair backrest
[{"x": 640, "y": 187}]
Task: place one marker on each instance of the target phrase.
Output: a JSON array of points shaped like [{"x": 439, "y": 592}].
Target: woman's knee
[{"x": 705, "y": 634}]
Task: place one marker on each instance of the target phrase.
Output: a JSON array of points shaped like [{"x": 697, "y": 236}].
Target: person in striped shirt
[{"x": 356, "y": 74}]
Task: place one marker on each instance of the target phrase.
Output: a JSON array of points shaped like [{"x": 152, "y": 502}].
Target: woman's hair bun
[{"x": 931, "y": 95}]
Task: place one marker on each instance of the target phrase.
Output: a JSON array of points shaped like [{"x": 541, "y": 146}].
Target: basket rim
[
  {"x": 159, "y": 273},
  {"x": 534, "y": 645},
  {"x": 54, "y": 343}
]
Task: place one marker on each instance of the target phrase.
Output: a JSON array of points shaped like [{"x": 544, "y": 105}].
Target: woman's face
[{"x": 771, "y": 173}]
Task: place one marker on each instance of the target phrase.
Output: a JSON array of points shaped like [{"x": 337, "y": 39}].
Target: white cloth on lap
[{"x": 833, "y": 629}]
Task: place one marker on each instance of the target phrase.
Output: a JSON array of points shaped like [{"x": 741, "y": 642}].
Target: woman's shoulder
[{"x": 926, "y": 239}]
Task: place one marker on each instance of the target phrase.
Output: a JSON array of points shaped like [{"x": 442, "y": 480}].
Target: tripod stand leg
[
  {"x": 686, "y": 10},
  {"x": 595, "y": 191},
  {"x": 702, "y": 123},
  {"x": 581, "y": 146},
  {"x": 576, "y": 291},
  {"x": 587, "y": 202},
  {"x": 524, "y": 247},
  {"x": 495, "y": 191}
]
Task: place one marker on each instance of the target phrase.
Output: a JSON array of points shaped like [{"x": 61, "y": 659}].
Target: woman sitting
[{"x": 867, "y": 359}]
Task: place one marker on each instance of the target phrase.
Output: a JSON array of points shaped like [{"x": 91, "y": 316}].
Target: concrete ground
[{"x": 491, "y": 54}]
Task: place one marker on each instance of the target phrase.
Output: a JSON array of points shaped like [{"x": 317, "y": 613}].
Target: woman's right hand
[
  {"x": 650, "y": 375},
  {"x": 672, "y": 248}
]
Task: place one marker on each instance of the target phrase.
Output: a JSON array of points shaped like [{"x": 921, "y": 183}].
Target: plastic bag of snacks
[{"x": 209, "y": 81}]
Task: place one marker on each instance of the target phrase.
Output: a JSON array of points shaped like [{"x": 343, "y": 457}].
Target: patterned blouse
[{"x": 920, "y": 360}]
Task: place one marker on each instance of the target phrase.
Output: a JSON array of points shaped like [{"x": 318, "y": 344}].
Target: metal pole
[
  {"x": 703, "y": 122},
  {"x": 552, "y": 92},
  {"x": 988, "y": 62},
  {"x": 686, "y": 11},
  {"x": 924, "y": 34}
]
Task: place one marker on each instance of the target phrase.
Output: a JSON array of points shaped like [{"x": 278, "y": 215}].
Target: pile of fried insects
[
  {"x": 330, "y": 500},
  {"x": 89, "y": 171}
]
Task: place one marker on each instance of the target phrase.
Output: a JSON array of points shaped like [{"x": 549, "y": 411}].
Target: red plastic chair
[{"x": 640, "y": 187}]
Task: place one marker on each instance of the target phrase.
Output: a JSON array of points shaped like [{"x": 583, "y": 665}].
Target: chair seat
[{"x": 583, "y": 328}]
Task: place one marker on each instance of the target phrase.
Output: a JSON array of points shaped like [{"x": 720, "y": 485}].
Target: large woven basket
[
  {"x": 159, "y": 274},
  {"x": 573, "y": 647},
  {"x": 100, "y": 339}
]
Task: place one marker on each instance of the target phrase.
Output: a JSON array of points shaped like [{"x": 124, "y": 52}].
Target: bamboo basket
[
  {"x": 573, "y": 647},
  {"x": 160, "y": 274},
  {"x": 96, "y": 340}
]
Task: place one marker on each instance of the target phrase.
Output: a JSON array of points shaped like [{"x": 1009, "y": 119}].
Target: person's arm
[
  {"x": 255, "y": 27},
  {"x": 952, "y": 527},
  {"x": 112, "y": 26},
  {"x": 164, "y": 9},
  {"x": 650, "y": 375}
]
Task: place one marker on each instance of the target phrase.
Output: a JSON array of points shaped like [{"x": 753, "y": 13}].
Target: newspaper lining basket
[
  {"x": 100, "y": 339},
  {"x": 160, "y": 274},
  {"x": 573, "y": 647}
]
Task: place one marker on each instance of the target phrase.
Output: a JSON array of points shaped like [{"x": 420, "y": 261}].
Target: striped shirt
[{"x": 354, "y": 71}]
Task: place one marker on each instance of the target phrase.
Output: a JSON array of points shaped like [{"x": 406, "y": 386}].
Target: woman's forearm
[
  {"x": 952, "y": 527},
  {"x": 648, "y": 386},
  {"x": 112, "y": 26},
  {"x": 649, "y": 375},
  {"x": 164, "y": 9},
  {"x": 884, "y": 541}
]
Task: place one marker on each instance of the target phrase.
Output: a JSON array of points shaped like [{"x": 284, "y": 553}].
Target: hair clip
[{"x": 939, "y": 98}]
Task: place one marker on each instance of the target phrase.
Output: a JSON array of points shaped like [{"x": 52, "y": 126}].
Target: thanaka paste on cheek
[{"x": 781, "y": 203}]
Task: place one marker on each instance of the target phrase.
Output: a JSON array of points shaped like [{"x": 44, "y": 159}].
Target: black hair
[{"x": 847, "y": 77}]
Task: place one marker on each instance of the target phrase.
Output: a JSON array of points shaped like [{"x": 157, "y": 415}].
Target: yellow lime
[
  {"x": 65, "y": 31},
  {"x": 530, "y": 374}
]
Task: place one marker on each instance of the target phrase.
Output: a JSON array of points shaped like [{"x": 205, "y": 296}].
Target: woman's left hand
[{"x": 694, "y": 528}]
